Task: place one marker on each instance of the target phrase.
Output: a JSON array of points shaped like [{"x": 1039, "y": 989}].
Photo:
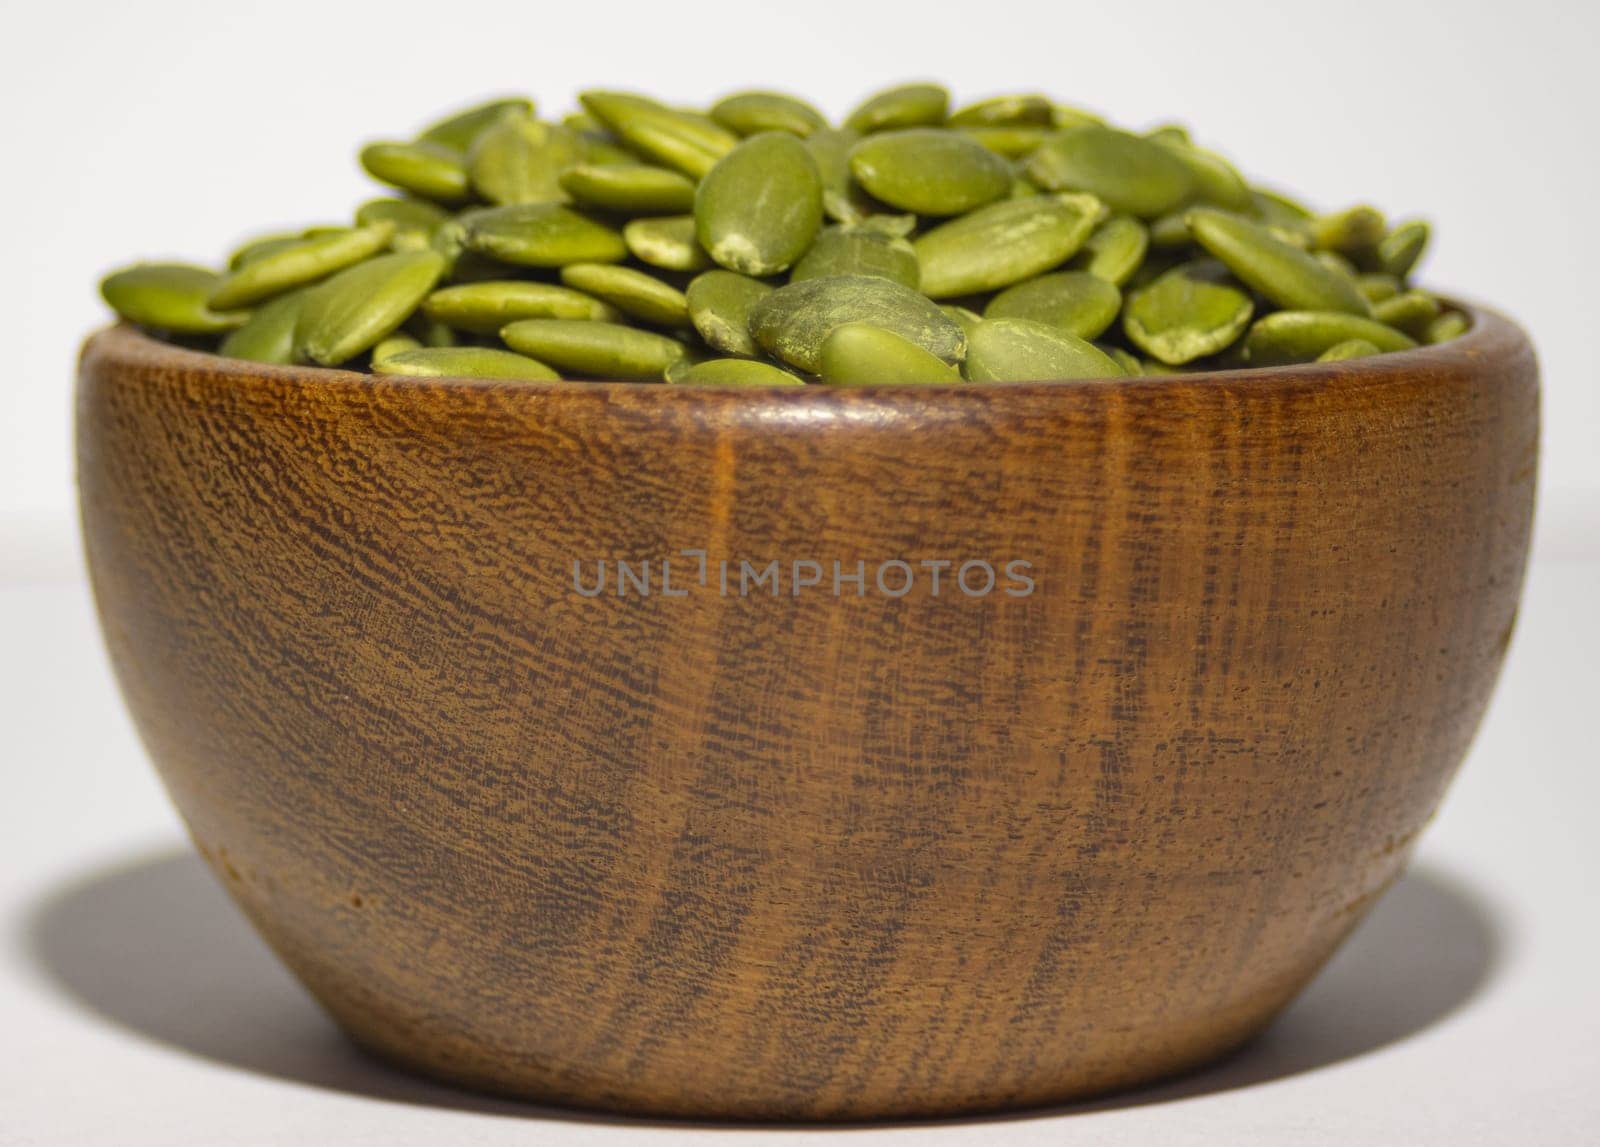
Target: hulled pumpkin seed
[
  {"x": 414, "y": 219},
  {"x": 1075, "y": 301},
  {"x": 1020, "y": 350},
  {"x": 1004, "y": 243},
  {"x": 168, "y": 297},
  {"x": 262, "y": 245},
  {"x": 858, "y": 250},
  {"x": 1350, "y": 348},
  {"x": 634, "y": 293},
  {"x": 1409, "y": 311},
  {"x": 687, "y": 143},
  {"x": 1124, "y": 171},
  {"x": 1010, "y": 142},
  {"x": 794, "y": 321},
  {"x": 1450, "y": 325},
  {"x": 964, "y": 317},
  {"x": 459, "y": 130},
  {"x": 668, "y": 242},
  {"x": 269, "y": 335},
  {"x": 909, "y": 105},
  {"x": 859, "y": 354},
  {"x": 1005, "y": 111},
  {"x": 751, "y": 113},
  {"x": 395, "y": 344},
  {"x": 735, "y": 372},
  {"x": 1302, "y": 336},
  {"x": 1353, "y": 231},
  {"x": 1376, "y": 286},
  {"x": 630, "y": 188},
  {"x": 542, "y": 235},
  {"x": 517, "y": 159},
  {"x": 486, "y": 307},
  {"x": 430, "y": 170},
  {"x": 1288, "y": 276},
  {"x": 1399, "y": 250},
  {"x": 1190, "y": 312},
  {"x": 350, "y": 312},
  {"x": 304, "y": 262},
  {"x": 758, "y": 209},
  {"x": 719, "y": 307},
  {"x": 1113, "y": 250},
  {"x": 463, "y": 362},
  {"x": 601, "y": 350},
  {"x": 929, "y": 171}
]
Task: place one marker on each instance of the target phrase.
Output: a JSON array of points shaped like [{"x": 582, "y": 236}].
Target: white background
[{"x": 134, "y": 1008}]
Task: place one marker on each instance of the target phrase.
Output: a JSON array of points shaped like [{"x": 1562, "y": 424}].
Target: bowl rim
[{"x": 1491, "y": 336}]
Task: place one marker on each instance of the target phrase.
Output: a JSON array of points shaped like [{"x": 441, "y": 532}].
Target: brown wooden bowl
[{"x": 814, "y": 856}]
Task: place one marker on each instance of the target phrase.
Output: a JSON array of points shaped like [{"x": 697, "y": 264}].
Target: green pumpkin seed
[
  {"x": 1350, "y": 348},
  {"x": 520, "y": 160},
  {"x": 1188, "y": 313},
  {"x": 430, "y": 170},
  {"x": 304, "y": 262},
  {"x": 859, "y": 250},
  {"x": 719, "y": 307},
  {"x": 459, "y": 130},
  {"x": 1126, "y": 172},
  {"x": 668, "y": 242},
  {"x": 463, "y": 362},
  {"x": 964, "y": 317},
  {"x": 632, "y": 292},
  {"x": 1289, "y": 277},
  {"x": 909, "y": 105},
  {"x": 1019, "y": 350},
  {"x": 1010, "y": 142},
  {"x": 485, "y": 307},
  {"x": 1170, "y": 232},
  {"x": 1114, "y": 249},
  {"x": 859, "y": 354},
  {"x": 600, "y": 350},
  {"x": 263, "y": 245},
  {"x": 1399, "y": 251},
  {"x": 1450, "y": 325},
  {"x": 630, "y": 188},
  {"x": 269, "y": 335},
  {"x": 1004, "y": 243},
  {"x": 1130, "y": 364},
  {"x": 794, "y": 321},
  {"x": 1302, "y": 336},
  {"x": 1337, "y": 262},
  {"x": 542, "y": 235},
  {"x": 842, "y": 201},
  {"x": 682, "y": 141},
  {"x": 1275, "y": 209},
  {"x": 929, "y": 171},
  {"x": 734, "y": 372},
  {"x": 1005, "y": 111},
  {"x": 427, "y": 332},
  {"x": 351, "y": 312},
  {"x": 1376, "y": 286},
  {"x": 168, "y": 297},
  {"x": 758, "y": 209},
  {"x": 1409, "y": 311},
  {"x": 1216, "y": 181},
  {"x": 1076, "y": 301},
  {"x": 1353, "y": 231},
  {"x": 414, "y": 219},
  {"x": 1064, "y": 117},
  {"x": 393, "y": 345},
  {"x": 751, "y": 113}
]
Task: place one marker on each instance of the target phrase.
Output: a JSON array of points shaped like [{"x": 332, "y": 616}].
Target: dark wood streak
[{"x": 807, "y": 858}]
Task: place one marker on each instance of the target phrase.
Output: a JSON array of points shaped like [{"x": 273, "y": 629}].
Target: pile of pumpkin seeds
[{"x": 755, "y": 243}]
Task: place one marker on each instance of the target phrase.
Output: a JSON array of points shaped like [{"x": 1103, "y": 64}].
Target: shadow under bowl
[{"x": 927, "y": 750}]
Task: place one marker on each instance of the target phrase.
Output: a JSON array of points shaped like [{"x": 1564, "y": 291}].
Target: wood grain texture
[{"x": 807, "y": 857}]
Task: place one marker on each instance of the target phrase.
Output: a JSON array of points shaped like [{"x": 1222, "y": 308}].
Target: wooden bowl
[{"x": 807, "y": 856}]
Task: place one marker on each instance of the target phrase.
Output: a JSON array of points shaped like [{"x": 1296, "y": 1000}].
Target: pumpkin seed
[
  {"x": 393, "y": 345},
  {"x": 601, "y": 350},
  {"x": 964, "y": 317},
  {"x": 1126, "y": 172},
  {"x": 758, "y": 209},
  {"x": 1075, "y": 301},
  {"x": 1376, "y": 286},
  {"x": 687, "y": 143},
  {"x": 1353, "y": 231},
  {"x": 517, "y": 159},
  {"x": 169, "y": 297},
  {"x": 459, "y": 130},
  {"x": 668, "y": 242},
  {"x": 486, "y": 307},
  {"x": 929, "y": 171},
  {"x": 1216, "y": 181},
  {"x": 1005, "y": 111},
  {"x": 1399, "y": 251},
  {"x": 1010, "y": 142},
  {"x": 858, "y": 250},
  {"x": 1020, "y": 350},
  {"x": 542, "y": 235},
  {"x": 630, "y": 188},
  {"x": 1114, "y": 249},
  {"x": 269, "y": 335},
  {"x": 909, "y": 105},
  {"x": 1409, "y": 311},
  {"x": 751, "y": 113},
  {"x": 1350, "y": 348},
  {"x": 632, "y": 292},
  {"x": 430, "y": 170},
  {"x": 1302, "y": 336},
  {"x": 304, "y": 262},
  {"x": 719, "y": 307},
  {"x": 463, "y": 362},
  {"x": 1190, "y": 312},
  {"x": 794, "y": 321},
  {"x": 262, "y": 245},
  {"x": 1289, "y": 277},
  {"x": 859, "y": 354},
  {"x": 735, "y": 372},
  {"x": 414, "y": 219},
  {"x": 1450, "y": 325},
  {"x": 349, "y": 313},
  {"x": 1004, "y": 243}
]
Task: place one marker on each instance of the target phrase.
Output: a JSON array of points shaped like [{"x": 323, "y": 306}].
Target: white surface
[
  {"x": 172, "y": 129},
  {"x": 137, "y": 1009}
]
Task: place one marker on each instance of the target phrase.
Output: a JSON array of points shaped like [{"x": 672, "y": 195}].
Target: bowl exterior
[{"x": 826, "y": 853}]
